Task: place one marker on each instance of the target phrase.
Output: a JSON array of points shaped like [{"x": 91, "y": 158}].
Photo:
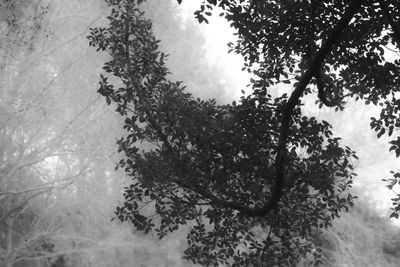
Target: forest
[{"x": 199, "y": 133}]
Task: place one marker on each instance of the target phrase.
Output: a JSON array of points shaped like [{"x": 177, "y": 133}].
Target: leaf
[
  {"x": 381, "y": 132},
  {"x": 390, "y": 131}
]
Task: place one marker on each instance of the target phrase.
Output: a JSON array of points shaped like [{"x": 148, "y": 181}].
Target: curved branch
[{"x": 314, "y": 67}]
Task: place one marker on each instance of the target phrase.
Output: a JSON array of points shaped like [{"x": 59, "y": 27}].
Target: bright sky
[{"x": 219, "y": 34}]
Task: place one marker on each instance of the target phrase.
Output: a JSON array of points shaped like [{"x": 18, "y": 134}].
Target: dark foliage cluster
[
  {"x": 347, "y": 49},
  {"x": 211, "y": 166}
]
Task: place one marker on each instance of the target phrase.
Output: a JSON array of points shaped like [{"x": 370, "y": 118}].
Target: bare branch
[
  {"x": 35, "y": 189},
  {"x": 74, "y": 38},
  {"x": 51, "y": 185}
]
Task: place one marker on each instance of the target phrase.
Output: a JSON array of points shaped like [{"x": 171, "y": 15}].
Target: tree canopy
[{"x": 253, "y": 179}]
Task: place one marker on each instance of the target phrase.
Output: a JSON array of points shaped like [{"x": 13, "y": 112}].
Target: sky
[{"x": 218, "y": 35}]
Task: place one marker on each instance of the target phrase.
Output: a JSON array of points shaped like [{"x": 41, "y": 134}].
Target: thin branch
[
  {"x": 55, "y": 142},
  {"x": 74, "y": 38},
  {"x": 50, "y": 185},
  {"x": 37, "y": 188},
  {"x": 127, "y": 33}
]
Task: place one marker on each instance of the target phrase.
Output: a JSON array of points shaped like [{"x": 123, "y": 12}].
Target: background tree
[
  {"x": 220, "y": 167},
  {"x": 48, "y": 164},
  {"x": 57, "y": 146}
]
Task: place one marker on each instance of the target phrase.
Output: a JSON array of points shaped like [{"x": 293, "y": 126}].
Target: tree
[
  {"x": 46, "y": 157},
  {"x": 255, "y": 178}
]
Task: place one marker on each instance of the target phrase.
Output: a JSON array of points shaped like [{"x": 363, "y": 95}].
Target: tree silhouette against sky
[{"x": 255, "y": 178}]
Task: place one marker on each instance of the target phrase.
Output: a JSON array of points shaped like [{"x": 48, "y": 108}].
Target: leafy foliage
[
  {"x": 213, "y": 166},
  {"x": 281, "y": 42}
]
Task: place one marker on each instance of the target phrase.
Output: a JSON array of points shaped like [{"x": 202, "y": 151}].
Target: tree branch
[
  {"x": 127, "y": 33},
  {"x": 75, "y": 37},
  {"x": 277, "y": 189},
  {"x": 38, "y": 188},
  {"x": 314, "y": 67}
]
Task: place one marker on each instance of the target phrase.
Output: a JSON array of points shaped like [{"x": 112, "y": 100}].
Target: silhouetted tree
[{"x": 252, "y": 178}]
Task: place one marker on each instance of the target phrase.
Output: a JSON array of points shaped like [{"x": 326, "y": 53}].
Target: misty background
[{"x": 58, "y": 186}]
